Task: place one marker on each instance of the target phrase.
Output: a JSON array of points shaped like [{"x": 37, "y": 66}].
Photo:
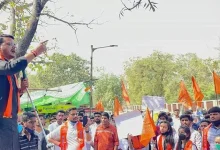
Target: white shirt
[
  {"x": 176, "y": 123},
  {"x": 123, "y": 144},
  {"x": 92, "y": 130},
  {"x": 51, "y": 128},
  {"x": 72, "y": 142},
  {"x": 196, "y": 138},
  {"x": 40, "y": 138}
]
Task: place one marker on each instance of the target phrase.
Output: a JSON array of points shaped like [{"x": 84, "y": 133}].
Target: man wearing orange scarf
[
  {"x": 10, "y": 91},
  {"x": 70, "y": 135}
]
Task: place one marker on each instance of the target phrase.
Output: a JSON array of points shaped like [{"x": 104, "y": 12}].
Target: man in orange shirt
[{"x": 106, "y": 136}]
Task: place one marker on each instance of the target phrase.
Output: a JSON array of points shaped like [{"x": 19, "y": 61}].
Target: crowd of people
[{"x": 67, "y": 131}]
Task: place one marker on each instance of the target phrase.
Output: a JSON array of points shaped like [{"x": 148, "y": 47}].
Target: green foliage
[
  {"x": 106, "y": 88},
  {"x": 160, "y": 74},
  {"x": 61, "y": 70}
]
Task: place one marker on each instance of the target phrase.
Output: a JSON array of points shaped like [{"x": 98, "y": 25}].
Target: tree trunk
[
  {"x": 13, "y": 22},
  {"x": 31, "y": 29}
]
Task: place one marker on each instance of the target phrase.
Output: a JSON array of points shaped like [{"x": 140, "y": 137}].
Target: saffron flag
[
  {"x": 197, "y": 93},
  {"x": 87, "y": 89},
  {"x": 184, "y": 96},
  {"x": 148, "y": 129},
  {"x": 125, "y": 93},
  {"x": 117, "y": 107},
  {"x": 99, "y": 106},
  {"x": 216, "y": 79}
]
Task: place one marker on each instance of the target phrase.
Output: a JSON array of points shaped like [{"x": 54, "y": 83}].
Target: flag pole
[
  {"x": 182, "y": 108},
  {"x": 126, "y": 107},
  {"x": 152, "y": 114}
]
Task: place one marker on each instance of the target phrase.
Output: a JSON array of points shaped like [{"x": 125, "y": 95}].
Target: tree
[
  {"x": 25, "y": 18},
  {"x": 61, "y": 71},
  {"x": 130, "y": 5},
  {"x": 189, "y": 65},
  {"x": 106, "y": 88},
  {"x": 148, "y": 76},
  {"x": 160, "y": 75}
]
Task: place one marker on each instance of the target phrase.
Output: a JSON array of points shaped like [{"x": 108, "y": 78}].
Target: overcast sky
[{"x": 176, "y": 27}]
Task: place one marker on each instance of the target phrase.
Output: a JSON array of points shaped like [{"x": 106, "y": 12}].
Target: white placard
[
  {"x": 153, "y": 103},
  {"x": 130, "y": 122}
]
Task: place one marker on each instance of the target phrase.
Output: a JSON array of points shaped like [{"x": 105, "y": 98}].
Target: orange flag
[
  {"x": 117, "y": 107},
  {"x": 99, "y": 106},
  {"x": 197, "y": 93},
  {"x": 216, "y": 83},
  {"x": 184, "y": 97},
  {"x": 148, "y": 129},
  {"x": 87, "y": 89},
  {"x": 125, "y": 93}
]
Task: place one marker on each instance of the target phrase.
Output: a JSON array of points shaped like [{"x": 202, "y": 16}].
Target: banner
[
  {"x": 129, "y": 123},
  {"x": 71, "y": 93},
  {"x": 153, "y": 103},
  {"x": 52, "y": 109}
]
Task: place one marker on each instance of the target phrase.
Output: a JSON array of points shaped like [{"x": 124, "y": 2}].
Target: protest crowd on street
[{"x": 67, "y": 114}]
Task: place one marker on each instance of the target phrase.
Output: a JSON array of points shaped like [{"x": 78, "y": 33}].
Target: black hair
[
  {"x": 207, "y": 116},
  {"x": 187, "y": 131},
  {"x": 80, "y": 114},
  {"x": 91, "y": 117},
  {"x": 97, "y": 113},
  {"x": 204, "y": 112},
  {"x": 2, "y": 36},
  {"x": 60, "y": 111},
  {"x": 163, "y": 114},
  {"x": 205, "y": 121},
  {"x": 188, "y": 112},
  {"x": 214, "y": 110},
  {"x": 105, "y": 114},
  {"x": 52, "y": 118},
  {"x": 41, "y": 115},
  {"x": 186, "y": 116},
  {"x": 69, "y": 110},
  {"x": 27, "y": 116},
  {"x": 168, "y": 114},
  {"x": 82, "y": 111},
  {"x": 168, "y": 136},
  {"x": 170, "y": 119}
]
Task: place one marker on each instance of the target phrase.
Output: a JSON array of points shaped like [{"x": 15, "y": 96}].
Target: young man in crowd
[
  {"x": 203, "y": 124},
  {"x": 27, "y": 139},
  {"x": 59, "y": 120},
  {"x": 186, "y": 120},
  {"x": 42, "y": 144},
  {"x": 93, "y": 127},
  {"x": 70, "y": 135},
  {"x": 106, "y": 136},
  {"x": 212, "y": 131}
]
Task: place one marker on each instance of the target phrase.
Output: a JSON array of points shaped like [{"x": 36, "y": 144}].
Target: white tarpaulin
[
  {"x": 129, "y": 123},
  {"x": 153, "y": 103}
]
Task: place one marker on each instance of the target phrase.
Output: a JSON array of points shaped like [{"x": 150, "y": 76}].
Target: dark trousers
[{"x": 9, "y": 134}]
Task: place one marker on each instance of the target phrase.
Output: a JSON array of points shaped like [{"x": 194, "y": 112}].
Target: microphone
[{"x": 24, "y": 75}]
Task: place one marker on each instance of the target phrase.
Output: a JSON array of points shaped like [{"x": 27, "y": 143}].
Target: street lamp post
[{"x": 91, "y": 73}]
